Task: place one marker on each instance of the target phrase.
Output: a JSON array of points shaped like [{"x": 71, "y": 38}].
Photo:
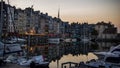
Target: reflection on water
[
  {"x": 105, "y": 46},
  {"x": 71, "y": 58},
  {"x": 72, "y": 52},
  {"x": 77, "y": 52}
]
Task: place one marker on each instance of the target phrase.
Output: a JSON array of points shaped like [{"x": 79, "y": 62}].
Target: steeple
[{"x": 59, "y": 12}]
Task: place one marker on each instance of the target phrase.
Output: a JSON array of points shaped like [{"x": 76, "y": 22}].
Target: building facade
[{"x": 106, "y": 30}]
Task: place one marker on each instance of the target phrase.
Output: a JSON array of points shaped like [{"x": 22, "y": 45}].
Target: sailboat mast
[{"x": 1, "y": 19}]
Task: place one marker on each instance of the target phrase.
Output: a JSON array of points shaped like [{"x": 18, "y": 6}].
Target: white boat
[
  {"x": 18, "y": 39},
  {"x": 11, "y": 59},
  {"x": 108, "y": 62},
  {"x": 54, "y": 40},
  {"x": 113, "y": 50},
  {"x": 111, "y": 59},
  {"x": 14, "y": 40},
  {"x": 10, "y": 48},
  {"x": 39, "y": 60}
]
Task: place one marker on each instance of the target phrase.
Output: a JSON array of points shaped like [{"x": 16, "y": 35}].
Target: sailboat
[{"x": 8, "y": 46}]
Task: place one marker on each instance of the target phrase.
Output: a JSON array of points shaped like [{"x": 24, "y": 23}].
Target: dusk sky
[{"x": 91, "y": 11}]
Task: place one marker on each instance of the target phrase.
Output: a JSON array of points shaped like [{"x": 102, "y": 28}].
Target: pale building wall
[{"x": 10, "y": 19}]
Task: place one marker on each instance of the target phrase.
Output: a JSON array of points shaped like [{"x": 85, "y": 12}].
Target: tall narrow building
[{"x": 3, "y": 19}]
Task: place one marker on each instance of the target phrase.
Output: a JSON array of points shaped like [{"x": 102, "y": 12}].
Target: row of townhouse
[
  {"x": 29, "y": 21},
  {"x": 100, "y": 30}
]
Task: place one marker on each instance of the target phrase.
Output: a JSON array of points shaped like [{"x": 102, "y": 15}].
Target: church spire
[{"x": 59, "y": 12}]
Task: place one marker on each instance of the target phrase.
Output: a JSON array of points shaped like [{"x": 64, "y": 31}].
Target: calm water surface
[
  {"x": 79, "y": 52},
  {"x": 71, "y": 58},
  {"x": 72, "y": 52}
]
